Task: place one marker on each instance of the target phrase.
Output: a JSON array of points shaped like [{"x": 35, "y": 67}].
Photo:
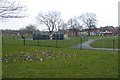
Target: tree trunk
[{"x": 50, "y": 35}]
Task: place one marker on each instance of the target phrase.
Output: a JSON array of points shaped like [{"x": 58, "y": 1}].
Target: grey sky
[{"x": 106, "y": 11}]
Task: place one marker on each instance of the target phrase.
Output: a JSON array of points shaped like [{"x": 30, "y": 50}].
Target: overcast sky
[{"x": 106, "y": 11}]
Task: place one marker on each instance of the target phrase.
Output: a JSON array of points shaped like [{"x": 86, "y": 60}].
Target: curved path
[{"x": 86, "y": 45}]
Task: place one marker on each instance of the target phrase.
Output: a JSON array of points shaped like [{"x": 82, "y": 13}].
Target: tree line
[{"x": 53, "y": 20}]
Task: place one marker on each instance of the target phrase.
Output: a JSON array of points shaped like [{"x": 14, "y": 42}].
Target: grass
[
  {"x": 86, "y": 63},
  {"x": 95, "y": 37},
  {"x": 106, "y": 42}
]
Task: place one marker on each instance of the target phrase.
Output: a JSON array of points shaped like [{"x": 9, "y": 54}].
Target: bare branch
[
  {"x": 11, "y": 9},
  {"x": 89, "y": 20},
  {"x": 73, "y": 24}
]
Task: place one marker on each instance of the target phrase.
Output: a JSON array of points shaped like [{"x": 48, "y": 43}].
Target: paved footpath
[{"x": 86, "y": 45}]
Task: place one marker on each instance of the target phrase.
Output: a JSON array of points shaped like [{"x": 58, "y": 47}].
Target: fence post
[
  {"x": 56, "y": 43},
  {"x": 56, "y": 37},
  {"x": 38, "y": 41},
  {"x": 24, "y": 41},
  {"x": 113, "y": 44},
  {"x": 2, "y": 40},
  {"x": 81, "y": 43}
]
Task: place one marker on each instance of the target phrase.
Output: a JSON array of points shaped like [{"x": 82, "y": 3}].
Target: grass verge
[{"x": 106, "y": 42}]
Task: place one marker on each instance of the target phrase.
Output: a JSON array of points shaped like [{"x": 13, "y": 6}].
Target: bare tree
[
  {"x": 11, "y": 9},
  {"x": 74, "y": 24},
  {"x": 89, "y": 20},
  {"x": 63, "y": 25},
  {"x": 52, "y": 20}
]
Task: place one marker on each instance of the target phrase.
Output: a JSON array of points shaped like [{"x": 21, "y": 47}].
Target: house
[
  {"x": 72, "y": 32},
  {"x": 108, "y": 30},
  {"x": 117, "y": 30},
  {"x": 93, "y": 32}
]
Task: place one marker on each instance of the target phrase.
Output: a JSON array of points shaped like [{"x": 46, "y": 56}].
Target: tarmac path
[{"x": 86, "y": 45}]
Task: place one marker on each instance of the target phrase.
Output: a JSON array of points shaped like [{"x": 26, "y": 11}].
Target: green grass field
[
  {"x": 63, "y": 62},
  {"x": 95, "y": 37},
  {"x": 106, "y": 42}
]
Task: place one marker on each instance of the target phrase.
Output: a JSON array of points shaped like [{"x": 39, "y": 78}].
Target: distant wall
[
  {"x": 40, "y": 37},
  {"x": 46, "y": 37}
]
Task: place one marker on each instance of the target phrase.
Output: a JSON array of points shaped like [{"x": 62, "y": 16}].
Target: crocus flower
[{"x": 41, "y": 59}]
